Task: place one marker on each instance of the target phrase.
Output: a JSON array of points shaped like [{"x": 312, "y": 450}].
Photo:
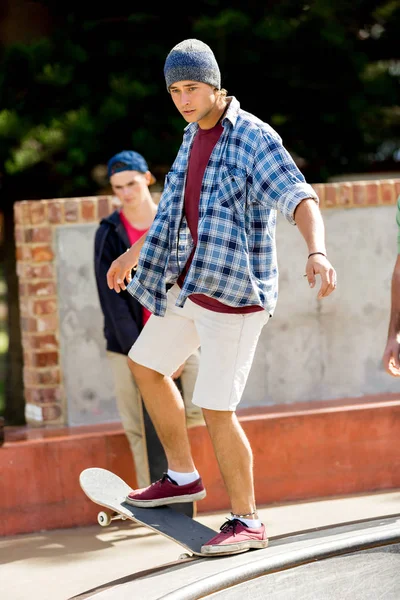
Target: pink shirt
[{"x": 133, "y": 235}]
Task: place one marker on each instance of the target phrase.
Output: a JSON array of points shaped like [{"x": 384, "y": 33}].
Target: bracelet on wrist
[{"x": 312, "y": 254}]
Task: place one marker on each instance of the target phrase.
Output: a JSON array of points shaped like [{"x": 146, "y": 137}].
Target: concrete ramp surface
[{"x": 354, "y": 561}]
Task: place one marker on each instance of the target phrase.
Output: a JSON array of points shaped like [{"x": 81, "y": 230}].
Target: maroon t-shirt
[{"x": 203, "y": 145}]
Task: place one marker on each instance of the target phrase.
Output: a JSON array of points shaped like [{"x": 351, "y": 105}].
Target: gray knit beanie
[{"x": 192, "y": 60}]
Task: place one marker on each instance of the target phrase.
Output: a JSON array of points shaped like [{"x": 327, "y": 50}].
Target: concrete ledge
[
  {"x": 265, "y": 572},
  {"x": 301, "y": 452}
]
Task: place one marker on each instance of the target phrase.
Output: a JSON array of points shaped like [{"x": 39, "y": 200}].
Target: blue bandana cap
[
  {"x": 128, "y": 160},
  {"x": 192, "y": 60}
]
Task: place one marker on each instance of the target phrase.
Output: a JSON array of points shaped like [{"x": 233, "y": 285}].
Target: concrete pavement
[{"x": 60, "y": 564}]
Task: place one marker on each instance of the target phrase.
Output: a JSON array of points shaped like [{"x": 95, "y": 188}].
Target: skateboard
[
  {"x": 157, "y": 461},
  {"x": 109, "y": 491}
]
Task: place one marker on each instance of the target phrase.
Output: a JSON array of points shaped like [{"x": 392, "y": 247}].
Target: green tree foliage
[{"x": 324, "y": 74}]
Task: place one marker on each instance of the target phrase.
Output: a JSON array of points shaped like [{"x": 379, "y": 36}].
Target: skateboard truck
[{"x": 104, "y": 518}]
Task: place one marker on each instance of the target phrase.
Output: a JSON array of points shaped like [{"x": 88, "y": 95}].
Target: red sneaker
[
  {"x": 236, "y": 537},
  {"x": 167, "y": 491}
]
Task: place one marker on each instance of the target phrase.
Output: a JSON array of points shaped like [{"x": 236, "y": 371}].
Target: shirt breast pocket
[{"x": 232, "y": 188}]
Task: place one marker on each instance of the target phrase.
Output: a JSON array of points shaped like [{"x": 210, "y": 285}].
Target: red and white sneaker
[
  {"x": 167, "y": 491},
  {"x": 236, "y": 537}
]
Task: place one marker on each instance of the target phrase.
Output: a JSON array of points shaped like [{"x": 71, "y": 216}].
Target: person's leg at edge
[
  {"x": 166, "y": 409},
  {"x": 243, "y": 530},
  {"x": 161, "y": 348},
  {"x": 219, "y": 388},
  {"x": 235, "y": 460}
]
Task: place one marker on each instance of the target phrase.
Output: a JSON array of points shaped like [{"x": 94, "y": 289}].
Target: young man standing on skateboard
[
  {"x": 213, "y": 238},
  {"x": 391, "y": 358},
  {"x": 124, "y": 316}
]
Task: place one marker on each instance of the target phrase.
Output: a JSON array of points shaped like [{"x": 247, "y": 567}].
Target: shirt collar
[{"x": 231, "y": 114}]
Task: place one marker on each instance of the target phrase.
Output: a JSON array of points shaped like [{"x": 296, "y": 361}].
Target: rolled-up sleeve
[{"x": 277, "y": 181}]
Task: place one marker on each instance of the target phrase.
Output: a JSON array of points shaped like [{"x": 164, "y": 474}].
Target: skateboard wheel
[
  {"x": 103, "y": 518},
  {"x": 184, "y": 556}
]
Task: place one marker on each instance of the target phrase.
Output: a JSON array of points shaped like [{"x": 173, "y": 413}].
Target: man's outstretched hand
[
  {"x": 320, "y": 265},
  {"x": 391, "y": 362},
  {"x": 119, "y": 275},
  {"x": 178, "y": 372}
]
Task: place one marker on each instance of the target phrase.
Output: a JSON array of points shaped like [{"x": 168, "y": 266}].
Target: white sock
[
  {"x": 249, "y": 522},
  {"x": 183, "y": 478}
]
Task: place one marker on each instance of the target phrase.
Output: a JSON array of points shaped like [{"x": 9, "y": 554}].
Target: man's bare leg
[
  {"x": 165, "y": 406},
  {"x": 235, "y": 459}
]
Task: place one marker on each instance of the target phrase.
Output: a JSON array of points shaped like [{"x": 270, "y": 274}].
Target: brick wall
[
  {"x": 356, "y": 194},
  {"x": 35, "y": 225}
]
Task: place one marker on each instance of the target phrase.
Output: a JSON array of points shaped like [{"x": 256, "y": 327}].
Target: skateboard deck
[
  {"x": 109, "y": 491},
  {"x": 157, "y": 461}
]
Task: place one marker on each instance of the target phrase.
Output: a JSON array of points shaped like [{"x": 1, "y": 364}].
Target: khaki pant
[{"x": 130, "y": 407}]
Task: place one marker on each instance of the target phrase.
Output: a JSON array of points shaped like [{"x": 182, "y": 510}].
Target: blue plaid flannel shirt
[{"x": 249, "y": 177}]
